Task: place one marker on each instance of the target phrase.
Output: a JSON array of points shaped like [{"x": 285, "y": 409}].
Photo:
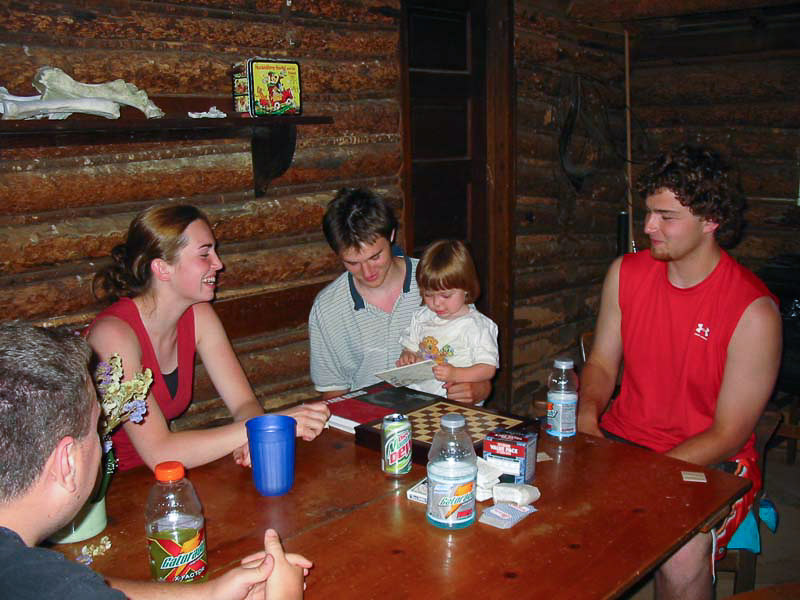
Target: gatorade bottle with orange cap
[{"x": 176, "y": 535}]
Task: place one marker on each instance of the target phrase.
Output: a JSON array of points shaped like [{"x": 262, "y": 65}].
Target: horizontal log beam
[
  {"x": 172, "y": 73},
  {"x": 80, "y": 183},
  {"x": 781, "y": 114},
  {"x": 745, "y": 81},
  {"x": 631, "y": 10},
  {"x": 268, "y": 311}
]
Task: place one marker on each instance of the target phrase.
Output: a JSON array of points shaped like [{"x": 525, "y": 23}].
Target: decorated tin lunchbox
[{"x": 263, "y": 87}]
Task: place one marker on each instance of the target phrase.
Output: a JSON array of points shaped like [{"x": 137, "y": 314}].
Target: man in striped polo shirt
[{"x": 356, "y": 321}]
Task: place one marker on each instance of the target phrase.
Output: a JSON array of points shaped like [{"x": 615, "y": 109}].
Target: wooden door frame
[
  {"x": 500, "y": 183},
  {"x": 500, "y": 193}
]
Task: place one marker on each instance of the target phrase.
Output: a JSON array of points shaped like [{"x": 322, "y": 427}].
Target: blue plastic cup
[{"x": 271, "y": 439}]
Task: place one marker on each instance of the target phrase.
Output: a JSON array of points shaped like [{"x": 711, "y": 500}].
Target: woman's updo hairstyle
[{"x": 156, "y": 232}]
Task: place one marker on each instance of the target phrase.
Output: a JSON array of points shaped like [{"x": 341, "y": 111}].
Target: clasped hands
[{"x": 270, "y": 574}]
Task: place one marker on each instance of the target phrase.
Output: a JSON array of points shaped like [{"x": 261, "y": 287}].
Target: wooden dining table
[{"x": 609, "y": 513}]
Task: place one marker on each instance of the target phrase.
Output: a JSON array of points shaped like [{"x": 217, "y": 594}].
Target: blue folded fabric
[
  {"x": 747, "y": 535},
  {"x": 768, "y": 514}
]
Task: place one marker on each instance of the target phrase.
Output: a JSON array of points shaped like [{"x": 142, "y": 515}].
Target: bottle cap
[
  {"x": 563, "y": 363},
  {"x": 172, "y": 470},
  {"x": 453, "y": 420}
]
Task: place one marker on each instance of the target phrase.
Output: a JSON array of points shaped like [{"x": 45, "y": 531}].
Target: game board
[{"x": 425, "y": 423}]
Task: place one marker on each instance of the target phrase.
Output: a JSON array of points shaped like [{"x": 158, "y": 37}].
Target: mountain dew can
[{"x": 396, "y": 444}]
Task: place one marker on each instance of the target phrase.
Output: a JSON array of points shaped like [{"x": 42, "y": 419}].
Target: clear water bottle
[
  {"x": 562, "y": 399},
  {"x": 176, "y": 535},
  {"x": 452, "y": 475}
]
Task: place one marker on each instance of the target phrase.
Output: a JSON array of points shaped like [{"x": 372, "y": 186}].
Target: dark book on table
[{"x": 374, "y": 402}]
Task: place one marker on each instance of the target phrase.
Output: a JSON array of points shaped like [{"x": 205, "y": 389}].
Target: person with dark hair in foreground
[
  {"x": 356, "y": 322},
  {"x": 49, "y": 460},
  {"x": 701, "y": 337}
]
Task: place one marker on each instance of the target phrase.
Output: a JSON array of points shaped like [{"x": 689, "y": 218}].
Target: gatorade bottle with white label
[
  {"x": 562, "y": 399},
  {"x": 452, "y": 474}
]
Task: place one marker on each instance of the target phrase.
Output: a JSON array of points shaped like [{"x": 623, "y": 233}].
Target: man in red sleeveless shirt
[{"x": 701, "y": 339}]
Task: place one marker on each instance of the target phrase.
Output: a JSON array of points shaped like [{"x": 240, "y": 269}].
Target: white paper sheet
[{"x": 414, "y": 373}]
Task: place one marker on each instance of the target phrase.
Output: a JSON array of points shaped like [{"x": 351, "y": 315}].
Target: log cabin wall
[
  {"x": 732, "y": 81},
  {"x": 565, "y": 225},
  {"x": 62, "y": 209}
]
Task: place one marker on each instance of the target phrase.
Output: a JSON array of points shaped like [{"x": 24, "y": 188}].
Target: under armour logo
[{"x": 702, "y": 332}]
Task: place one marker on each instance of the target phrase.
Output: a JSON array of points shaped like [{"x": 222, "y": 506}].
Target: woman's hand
[
  {"x": 242, "y": 455},
  {"x": 310, "y": 417}
]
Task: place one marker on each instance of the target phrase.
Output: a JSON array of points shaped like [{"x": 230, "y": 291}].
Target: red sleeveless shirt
[
  {"x": 675, "y": 345},
  {"x": 125, "y": 309}
]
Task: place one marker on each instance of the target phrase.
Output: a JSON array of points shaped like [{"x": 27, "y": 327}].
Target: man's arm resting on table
[
  {"x": 751, "y": 367},
  {"x": 599, "y": 374}
]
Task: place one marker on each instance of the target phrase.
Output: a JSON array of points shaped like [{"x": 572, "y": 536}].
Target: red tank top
[
  {"x": 675, "y": 345},
  {"x": 125, "y": 309}
]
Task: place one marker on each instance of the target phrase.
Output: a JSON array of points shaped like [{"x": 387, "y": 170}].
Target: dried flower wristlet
[{"x": 120, "y": 401}]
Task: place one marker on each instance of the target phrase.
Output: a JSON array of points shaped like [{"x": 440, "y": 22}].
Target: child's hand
[
  {"x": 444, "y": 372},
  {"x": 407, "y": 358}
]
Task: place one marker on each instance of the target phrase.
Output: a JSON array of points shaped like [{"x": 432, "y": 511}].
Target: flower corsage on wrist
[{"x": 119, "y": 401}]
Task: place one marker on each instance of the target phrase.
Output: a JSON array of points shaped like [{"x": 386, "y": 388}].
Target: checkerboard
[{"x": 425, "y": 422}]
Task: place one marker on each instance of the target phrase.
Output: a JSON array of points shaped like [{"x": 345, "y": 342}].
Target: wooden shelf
[{"x": 272, "y": 139}]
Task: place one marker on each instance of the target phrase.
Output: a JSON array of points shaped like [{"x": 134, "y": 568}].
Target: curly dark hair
[{"x": 704, "y": 183}]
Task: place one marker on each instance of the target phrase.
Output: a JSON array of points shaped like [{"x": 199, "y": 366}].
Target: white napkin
[
  {"x": 515, "y": 493},
  {"x": 488, "y": 474}
]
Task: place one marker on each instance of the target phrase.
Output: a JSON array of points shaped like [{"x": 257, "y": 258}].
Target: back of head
[
  {"x": 156, "y": 232},
  {"x": 703, "y": 182},
  {"x": 448, "y": 265},
  {"x": 357, "y": 216},
  {"x": 44, "y": 396}
]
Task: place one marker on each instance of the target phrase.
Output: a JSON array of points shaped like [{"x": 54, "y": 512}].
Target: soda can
[{"x": 396, "y": 445}]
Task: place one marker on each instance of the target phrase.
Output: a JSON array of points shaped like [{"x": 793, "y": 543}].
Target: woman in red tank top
[{"x": 162, "y": 280}]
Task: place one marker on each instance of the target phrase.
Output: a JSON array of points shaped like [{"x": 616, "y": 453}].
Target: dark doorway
[
  {"x": 445, "y": 53},
  {"x": 454, "y": 133}
]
